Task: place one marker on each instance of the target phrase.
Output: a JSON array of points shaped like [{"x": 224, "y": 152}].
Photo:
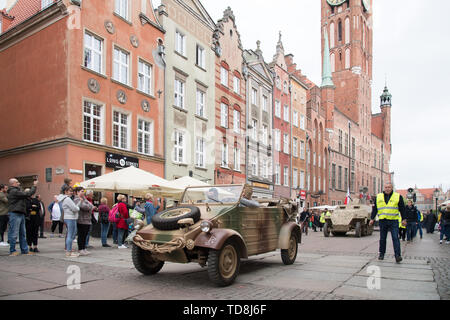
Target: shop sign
[
  {"x": 303, "y": 194},
  {"x": 118, "y": 161}
]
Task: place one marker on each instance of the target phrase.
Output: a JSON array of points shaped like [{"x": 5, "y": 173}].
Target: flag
[{"x": 347, "y": 198}]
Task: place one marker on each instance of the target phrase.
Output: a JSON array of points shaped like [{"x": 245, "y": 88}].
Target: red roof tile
[{"x": 23, "y": 10}]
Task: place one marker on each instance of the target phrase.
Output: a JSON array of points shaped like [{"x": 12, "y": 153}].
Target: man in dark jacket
[
  {"x": 42, "y": 217},
  {"x": 411, "y": 215},
  {"x": 17, "y": 210}
]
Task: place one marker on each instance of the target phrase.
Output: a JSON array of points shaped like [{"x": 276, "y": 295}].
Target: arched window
[
  {"x": 332, "y": 35},
  {"x": 340, "y": 30},
  {"x": 364, "y": 36},
  {"x": 347, "y": 58},
  {"x": 347, "y": 30},
  {"x": 333, "y": 62}
]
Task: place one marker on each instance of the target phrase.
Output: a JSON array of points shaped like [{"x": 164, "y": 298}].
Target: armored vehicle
[
  {"x": 347, "y": 218},
  {"x": 215, "y": 227}
]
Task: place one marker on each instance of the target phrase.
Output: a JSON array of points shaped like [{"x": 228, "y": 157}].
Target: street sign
[{"x": 303, "y": 194}]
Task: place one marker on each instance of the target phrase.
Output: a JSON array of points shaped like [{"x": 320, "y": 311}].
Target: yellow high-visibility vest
[
  {"x": 421, "y": 217},
  {"x": 322, "y": 217},
  {"x": 400, "y": 222},
  {"x": 390, "y": 210}
]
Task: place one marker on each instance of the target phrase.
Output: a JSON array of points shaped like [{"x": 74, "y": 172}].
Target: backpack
[{"x": 114, "y": 214}]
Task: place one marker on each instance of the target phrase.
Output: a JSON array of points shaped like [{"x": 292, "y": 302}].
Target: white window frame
[
  {"x": 92, "y": 116},
  {"x": 118, "y": 64},
  {"x": 237, "y": 159},
  {"x": 295, "y": 118},
  {"x": 254, "y": 97},
  {"x": 224, "y": 162},
  {"x": 264, "y": 103},
  {"x": 122, "y": 8},
  {"x": 236, "y": 85},
  {"x": 286, "y": 143},
  {"x": 295, "y": 178},
  {"x": 295, "y": 147},
  {"x": 177, "y": 147},
  {"x": 254, "y": 165},
  {"x": 93, "y": 51},
  {"x": 200, "y": 153},
  {"x": 302, "y": 150},
  {"x": 200, "y": 103},
  {"x": 224, "y": 76},
  {"x": 265, "y": 132},
  {"x": 277, "y": 174},
  {"x": 302, "y": 122},
  {"x": 302, "y": 179},
  {"x": 286, "y": 176},
  {"x": 224, "y": 115},
  {"x": 277, "y": 109},
  {"x": 286, "y": 113},
  {"x": 149, "y": 133},
  {"x": 255, "y": 129},
  {"x": 180, "y": 43},
  {"x": 121, "y": 127},
  {"x": 236, "y": 121},
  {"x": 145, "y": 81},
  {"x": 277, "y": 141},
  {"x": 179, "y": 93},
  {"x": 200, "y": 57}
]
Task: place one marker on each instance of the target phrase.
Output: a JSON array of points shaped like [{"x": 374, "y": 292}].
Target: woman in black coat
[{"x": 431, "y": 222}]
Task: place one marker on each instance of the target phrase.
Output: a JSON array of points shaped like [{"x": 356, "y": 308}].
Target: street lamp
[{"x": 436, "y": 195}]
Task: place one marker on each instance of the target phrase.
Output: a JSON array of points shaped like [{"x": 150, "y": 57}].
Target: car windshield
[{"x": 213, "y": 195}]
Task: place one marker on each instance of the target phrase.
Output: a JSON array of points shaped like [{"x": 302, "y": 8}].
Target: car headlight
[{"x": 206, "y": 226}]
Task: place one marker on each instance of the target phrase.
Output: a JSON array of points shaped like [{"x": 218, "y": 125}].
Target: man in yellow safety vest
[
  {"x": 322, "y": 218},
  {"x": 389, "y": 206}
]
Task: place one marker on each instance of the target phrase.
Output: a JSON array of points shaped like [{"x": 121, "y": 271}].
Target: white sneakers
[
  {"x": 4, "y": 244},
  {"x": 72, "y": 255},
  {"x": 84, "y": 252},
  {"x": 122, "y": 247}
]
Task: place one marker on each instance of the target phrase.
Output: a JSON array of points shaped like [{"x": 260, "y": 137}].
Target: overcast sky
[{"x": 411, "y": 50}]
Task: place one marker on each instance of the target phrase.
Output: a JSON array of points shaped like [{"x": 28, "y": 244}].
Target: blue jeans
[
  {"x": 114, "y": 232},
  {"x": 87, "y": 237},
  {"x": 445, "y": 231},
  {"x": 385, "y": 227},
  {"x": 418, "y": 228},
  {"x": 71, "y": 233},
  {"x": 17, "y": 228},
  {"x": 104, "y": 232},
  {"x": 410, "y": 226},
  {"x": 121, "y": 233}
]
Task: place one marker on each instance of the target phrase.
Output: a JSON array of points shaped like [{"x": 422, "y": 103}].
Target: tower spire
[{"x": 326, "y": 70}]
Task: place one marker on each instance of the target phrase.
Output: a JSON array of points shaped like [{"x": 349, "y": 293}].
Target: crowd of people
[{"x": 22, "y": 213}]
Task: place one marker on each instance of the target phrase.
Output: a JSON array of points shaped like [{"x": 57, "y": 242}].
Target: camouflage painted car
[
  {"x": 210, "y": 226},
  {"x": 347, "y": 218}
]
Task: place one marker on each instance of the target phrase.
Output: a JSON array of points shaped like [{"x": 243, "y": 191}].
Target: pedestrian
[
  {"x": 445, "y": 224},
  {"x": 42, "y": 217},
  {"x": 411, "y": 220},
  {"x": 150, "y": 209},
  {"x": 122, "y": 225},
  {"x": 103, "y": 214},
  {"x": 401, "y": 229},
  {"x": 304, "y": 221},
  {"x": 33, "y": 220},
  {"x": 17, "y": 208},
  {"x": 3, "y": 214},
  {"x": 419, "y": 224},
  {"x": 90, "y": 198},
  {"x": 55, "y": 209},
  {"x": 432, "y": 220},
  {"x": 70, "y": 216},
  {"x": 67, "y": 183},
  {"x": 389, "y": 206},
  {"x": 84, "y": 221}
]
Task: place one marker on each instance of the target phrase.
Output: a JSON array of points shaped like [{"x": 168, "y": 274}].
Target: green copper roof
[
  {"x": 327, "y": 80},
  {"x": 386, "y": 97}
]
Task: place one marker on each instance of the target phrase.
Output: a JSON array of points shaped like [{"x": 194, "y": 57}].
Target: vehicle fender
[
  {"x": 216, "y": 238},
  {"x": 285, "y": 234}
]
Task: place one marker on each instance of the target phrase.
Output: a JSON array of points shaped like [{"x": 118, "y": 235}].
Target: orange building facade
[{"x": 81, "y": 92}]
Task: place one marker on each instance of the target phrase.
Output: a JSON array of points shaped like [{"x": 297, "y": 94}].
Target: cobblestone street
[{"x": 335, "y": 268}]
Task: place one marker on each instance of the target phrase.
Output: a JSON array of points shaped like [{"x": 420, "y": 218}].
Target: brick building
[{"x": 81, "y": 90}]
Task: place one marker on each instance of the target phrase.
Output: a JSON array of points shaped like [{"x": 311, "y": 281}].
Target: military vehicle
[
  {"x": 212, "y": 227},
  {"x": 343, "y": 219}
]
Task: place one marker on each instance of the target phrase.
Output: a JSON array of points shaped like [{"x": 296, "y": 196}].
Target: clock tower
[{"x": 349, "y": 27}]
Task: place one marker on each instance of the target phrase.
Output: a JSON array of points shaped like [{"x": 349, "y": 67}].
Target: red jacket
[{"x": 123, "y": 216}]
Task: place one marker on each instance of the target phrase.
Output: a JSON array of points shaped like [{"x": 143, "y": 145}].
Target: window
[
  {"x": 333, "y": 176},
  {"x": 120, "y": 130},
  {"x": 145, "y": 77},
  {"x": 237, "y": 121},
  {"x": 254, "y": 164},
  {"x": 347, "y": 30},
  {"x": 286, "y": 113},
  {"x": 295, "y": 179},
  {"x": 92, "y": 122},
  {"x": 332, "y": 35},
  {"x": 320, "y": 161},
  {"x": 44, "y": 4},
  {"x": 277, "y": 174},
  {"x": 237, "y": 85},
  {"x": 302, "y": 150},
  {"x": 302, "y": 179},
  {"x": 200, "y": 103},
  {"x": 295, "y": 147},
  {"x": 333, "y": 62},
  {"x": 285, "y": 87},
  {"x": 224, "y": 115},
  {"x": 93, "y": 52},
  {"x": 254, "y": 96},
  {"x": 255, "y": 129},
  {"x": 314, "y": 159},
  {"x": 201, "y": 57},
  {"x": 121, "y": 68},
  {"x": 286, "y": 176},
  {"x": 179, "y": 93},
  {"x": 308, "y": 181},
  {"x": 237, "y": 159},
  {"x": 200, "y": 154},
  {"x": 180, "y": 43},
  {"x": 278, "y": 82},
  {"x": 145, "y": 137},
  {"x": 277, "y": 109},
  {"x": 352, "y": 182},
  {"x": 122, "y": 9},
  {"x": 302, "y": 122},
  {"x": 340, "y": 140},
  {"x": 264, "y": 171},
  {"x": 346, "y": 144},
  {"x": 347, "y": 58},
  {"x": 225, "y": 155},
  {"x": 179, "y": 147},
  {"x": 265, "y": 134},
  {"x": 314, "y": 184},
  {"x": 295, "y": 118},
  {"x": 340, "y": 178},
  {"x": 353, "y": 148},
  {"x": 224, "y": 76},
  {"x": 264, "y": 103},
  {"x": 286, "y": 143},
  {"x": 277, "y": 140},
  {"x": 340, "y": 31},
  {"x": 346, "y": 179}
]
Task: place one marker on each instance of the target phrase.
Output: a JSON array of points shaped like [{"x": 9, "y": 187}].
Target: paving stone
[
  {"x": 388, "y": 294},
  {"x": 15, "y": 285},
  {"x": 31, "y": 296},
  {"x": 391, "y": 284}
]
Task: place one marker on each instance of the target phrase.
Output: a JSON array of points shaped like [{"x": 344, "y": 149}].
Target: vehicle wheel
[
  {"x": 223, "y": 264},
  {"x": 289, "y": 255},
  {"x": 168, "y": 219},
  {"x": 326, "y": 230},
  {"x": 144, "y": 262},
  {"x": 358, "y": 230}
]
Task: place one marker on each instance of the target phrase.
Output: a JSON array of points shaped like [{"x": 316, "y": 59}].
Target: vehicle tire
[
  {"x": 144, "y": 262},
  {"x": 223, "y": 264},
  {"x": 326, "y": 230},
  {"x": 289, "y": 255},
  {"x": 358, "y": 229},
  {"x": 168, "y": 219}
]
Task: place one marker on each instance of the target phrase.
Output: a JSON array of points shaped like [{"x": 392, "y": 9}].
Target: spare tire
[{"x": 168, "y": 219}]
